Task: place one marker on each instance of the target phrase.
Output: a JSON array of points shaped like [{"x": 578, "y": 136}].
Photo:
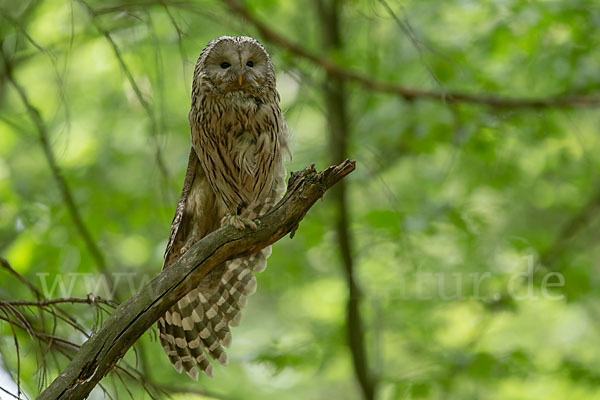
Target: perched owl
[{"x": 235, "y": 173}]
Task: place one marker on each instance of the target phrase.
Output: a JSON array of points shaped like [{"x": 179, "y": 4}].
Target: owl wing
[
  {"x": 171, "y": 253},
  {"x": 195, "y": 216}
]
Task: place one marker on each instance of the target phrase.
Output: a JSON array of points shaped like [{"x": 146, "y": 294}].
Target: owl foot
[
  {"x": 238, "y": 222},
  {"x": 188, "y": 243}
]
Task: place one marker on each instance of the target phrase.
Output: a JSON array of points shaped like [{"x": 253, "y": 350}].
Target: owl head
[{"x": 236, "y": 65}]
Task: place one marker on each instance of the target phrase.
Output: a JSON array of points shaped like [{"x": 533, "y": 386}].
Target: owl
[{"x": 235, "y": 173}]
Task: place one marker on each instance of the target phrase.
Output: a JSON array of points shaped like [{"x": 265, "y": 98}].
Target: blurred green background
[{"x": 452, "y": 203}]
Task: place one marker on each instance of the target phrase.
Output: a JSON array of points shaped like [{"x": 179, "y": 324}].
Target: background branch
[
  {"x": 6, "y": 265},
  {"x": 136, "y": 89},
  {"x": 57, "y": 174},
  {"x": 575, "y": 224},
  {"x": 447, "y": 96},
  {"x": 336, "y": 106}
]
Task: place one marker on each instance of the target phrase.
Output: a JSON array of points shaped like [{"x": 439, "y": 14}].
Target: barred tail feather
[
  {"x": 199, "y": 324},
  {"x": 178, "y": 350}
]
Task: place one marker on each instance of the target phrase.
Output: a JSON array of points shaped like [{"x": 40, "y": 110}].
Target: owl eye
[
  {"x": 225, "y": 65},
  {"x": 250, "y": 64}
]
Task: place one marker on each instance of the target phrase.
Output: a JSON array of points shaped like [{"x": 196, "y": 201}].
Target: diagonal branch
[
  {"x": 578, "y": 222},
  {"x": 131, "y": 319},
  {"x": 566, "y": 101},
  {"x": 5, "y": 264},
  {"x": 547, "y": 257},
  {"x": 136, "y": 89},
  {"x": 61, "y": 182}
]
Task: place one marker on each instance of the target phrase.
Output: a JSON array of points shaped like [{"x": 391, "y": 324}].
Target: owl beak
[{"x": 240, "y": 79}]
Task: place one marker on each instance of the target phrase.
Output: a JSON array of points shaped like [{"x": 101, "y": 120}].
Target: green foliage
[{"x": 443, "y": 193}]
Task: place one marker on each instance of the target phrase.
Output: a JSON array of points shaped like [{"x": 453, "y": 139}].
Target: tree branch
[
  {"x": 61, "y": 182},
  {"x": 569, "y": 230},
  {"x": 6, "y": 265},
  {"x": 136, "y": 89},
  {"x": 99, "y": 355},
  {"x": 546, "y": 258},
  {"x": 91, "y": 299},
  {"x": 565, "y": 101},
  {"x": 336, "y": 106}
]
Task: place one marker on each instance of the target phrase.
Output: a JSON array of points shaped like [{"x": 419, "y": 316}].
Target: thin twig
[
  {"x": 9, "y": 393},
  {"x": 48, "y": 338},
  {"x": 180, "y": 36},
  {"x": 60, "y": 78},
  {"x": 410, "y": 34},
  {"x": 570, "y": 228},
  {"x": 547, "y": 258},
  {"x": 74, "y": 300},
  {"x": 136, "y": 89},
  {"x": 6, "y": 265},
  {"x": 10, "y": 323},
  {"x": 190, "y": 390},
  {"x": 143, "y": 5},
  {"x": 62, "y": 184},
  {"x": 66, "y": 345}
]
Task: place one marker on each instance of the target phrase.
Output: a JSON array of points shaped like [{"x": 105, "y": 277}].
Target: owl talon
[
  {"x": 188, "y": 243},
  {"x": 238, "y": 222}
]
